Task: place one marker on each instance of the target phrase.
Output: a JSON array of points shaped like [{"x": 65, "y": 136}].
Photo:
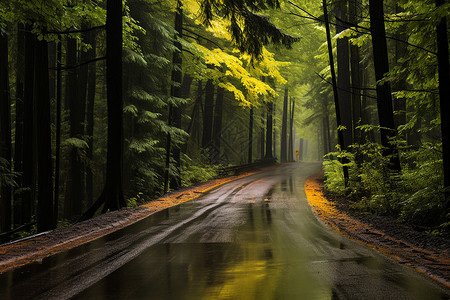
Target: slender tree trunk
[
  {"x": 283, "y": 149},
  {"x": 5, "y": 135},
  {"x": 262, "y": 138},
  {"x": 208, "y": 114},
  {"x": 217, "y": 126},
  {"x": 400, "y": 52},
  {"x": 250, "y": 137},
  {"x": 384, "y": 99},
  {"x": 343, "y": 73},
  {"x": 291, "y": 133},
  {"x": 29, "y": 162},
  {"x": 355, "y": 75},
  {"x": 58, "y": 128},
  {"x": 444, "y": 92},
  {"x": 45, "y": 220},
  {"x": 18, "y": 147},
  {"x": 92, "y": 77},
  {"x": 300, "y": 149},
  {"x": 274, "y": 131},
  {"x": 269, "y": 131},
  {"x": 335, "y": 89}
]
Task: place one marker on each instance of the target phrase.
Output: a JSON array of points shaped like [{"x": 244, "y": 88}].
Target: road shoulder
[{"x": 426, "y": 254}]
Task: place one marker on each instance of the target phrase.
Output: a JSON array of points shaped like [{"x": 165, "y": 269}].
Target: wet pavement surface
[{"x": 253, "y": 238}]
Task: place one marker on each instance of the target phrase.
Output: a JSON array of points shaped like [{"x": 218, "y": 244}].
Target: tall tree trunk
[
  {"x": 262, "y": 138},
  {"x": 291, "y": 132},
  {"x": 384, "y": 99},
  {"x": 335, "y": 89},
  {"x": 74, "y": 193},
  {"x": 18, "y": 145},
  {"x": 444, "y": 91},
  {"x": 217, "y": 126},
  {"x": 112, "y": 195},
  {"x": 283, "y": 149},
  {"x": 274, "y": 130},
  {"x": 175, "y": 181},
  {"x": 90, "y": 105},
  {"x": 269, "y": 131},
  {"x": 29, "y": 162},
  {"x": 58, "y": 128},
  {"x": 5, "y": 135},
  {"x": 400, "y": 52},
  {"x": 250, "y": 137},
  {"x": 208, "y": 114},
  {"x": 45, "y": 220},
  {"x": 355, "y": 75},
  {"x": 343, "y": 73}
]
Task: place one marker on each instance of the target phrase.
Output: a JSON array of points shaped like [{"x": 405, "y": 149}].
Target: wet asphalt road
[{"x": 254, "y": 238}]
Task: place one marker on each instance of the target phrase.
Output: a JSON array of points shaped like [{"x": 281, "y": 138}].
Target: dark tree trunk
[
  {"x": 58, "y": 128},
  {"x": 400, "y": 52},
  {"x": 18, "y": 147},
  {"x": 76, "y": 102},
  {"x": 335, "y": 89},
  {"x": 291, "y": 133},
  {"x": 29, "y": 162},
  {"x": 274, "y": 130},
  {"x": 250, "y": 137},
  {"x": 45, "y": 220},
  {"x": 355, "y": 76},
  {"x": 90, "y": 105},
  {"x": 262, "y": 138},
  {"x": 283, "y": 146},
  {"x": 112, "y": 195},
  {"x": 217, "y": 126},
  {"x": 444, "y": 92},
  {"x": 208, "y": 114},
  {"x": 269, "y": 131},
  {"x": 5, "y": 135},
  {"x": 384, "y": 99},
  {"x": 175, "y": 181},
  {"x": 343, "y": 73}
]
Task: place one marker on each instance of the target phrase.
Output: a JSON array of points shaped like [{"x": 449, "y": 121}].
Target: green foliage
[
  {"x": 195, "y": 172},
  {"x": 415, "y": 196}
]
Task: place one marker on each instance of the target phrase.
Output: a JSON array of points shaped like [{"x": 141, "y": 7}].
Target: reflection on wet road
[{"x": 254, "y": 238}]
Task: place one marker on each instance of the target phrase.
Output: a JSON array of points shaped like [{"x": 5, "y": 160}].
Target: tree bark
[
  {"x": 283, "y": 146},
  {"x": 208, "y": 114},
  {"x": 58, "y": 128},
  {"x": 45, "y": 219},
  {"x": 5, "y": 135},
  {"x": 343, "y": 73},
  {"x": 291, "y": 133},
  {"x": 384, "y": 98},
  {"x": 29, "y": 162},
  {"x": 269, "y": 131},
  {"x": 335, "y": 89},
  {"x": 444, "y": 91},
  {"x": 250, "y": 137},
  {"x": 217, "y": 126}
]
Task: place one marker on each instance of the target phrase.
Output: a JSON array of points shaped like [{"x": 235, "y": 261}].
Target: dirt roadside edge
[{"x": 382, "y": 234}]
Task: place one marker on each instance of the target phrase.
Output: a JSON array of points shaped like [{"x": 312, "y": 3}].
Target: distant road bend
[{"x": 253, "y": 238}]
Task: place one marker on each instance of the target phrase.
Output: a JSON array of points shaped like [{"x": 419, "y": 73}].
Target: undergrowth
[{"x": 414, "y": 196}]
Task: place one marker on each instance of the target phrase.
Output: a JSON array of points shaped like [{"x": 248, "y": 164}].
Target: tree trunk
[
  {"x": 444, "y": 91},
  {"x": 300, "y": 149},
  {"x": 283, "y": 149},
  {"x": 269, "y": 131},
  {"x": 5, "y": 135},
  {"x": 335, "y": 89},
  {"x": 262, "y": 138},
  {"x": 29, "y": 162},
  {"x": 250, "y": 137},
  {"x": 291, "y": 133},
  {"x": 217, "y": 126},
  {"x": 92, "y": 77},
  {"x": 343, "y": 73},
  {"x": 384, "y": 98},
  {"x": 45, "y": 220},
  {"x": 355, "y": 76},
  {"x": 18, "y": 142},
  {"x": 58, "y": 128},
  {"x": 208, "y": 114}
]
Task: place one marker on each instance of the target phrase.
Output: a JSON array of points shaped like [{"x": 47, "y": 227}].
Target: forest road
[{"x": 252, "y": 238}]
